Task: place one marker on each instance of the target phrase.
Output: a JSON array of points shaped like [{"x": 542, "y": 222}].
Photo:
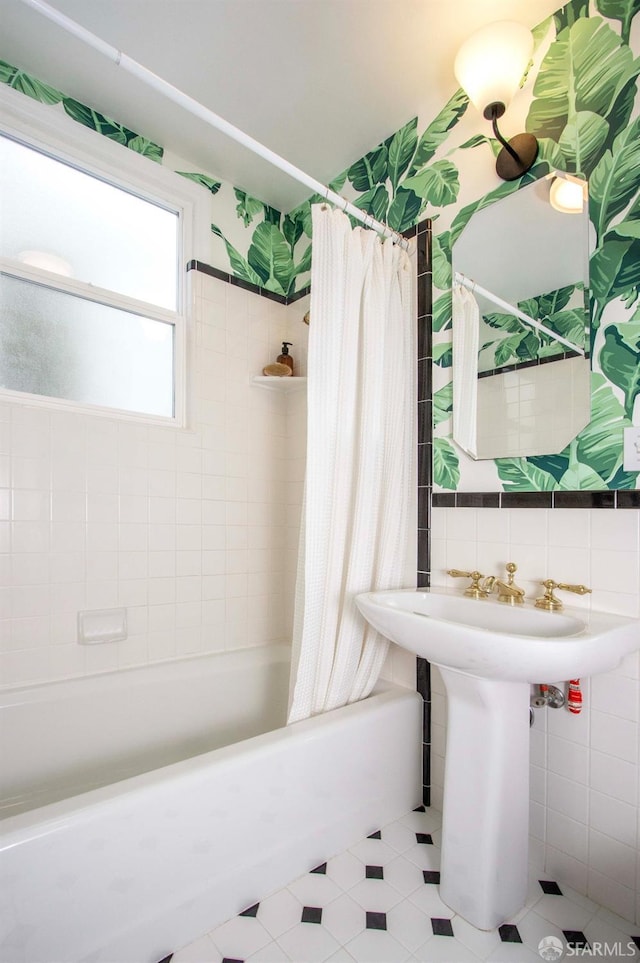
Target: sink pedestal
[
  {"x": 485, "y": 826},
  {"x": 488, "y": 654}
]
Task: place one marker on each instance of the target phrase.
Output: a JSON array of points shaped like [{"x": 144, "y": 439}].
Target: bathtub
[{"x": 143, "y": 807}]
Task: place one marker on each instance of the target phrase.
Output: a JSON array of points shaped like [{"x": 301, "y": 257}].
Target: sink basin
[
  {"x": 488, "y": 653},
  {"x": 487, "y": 638}
]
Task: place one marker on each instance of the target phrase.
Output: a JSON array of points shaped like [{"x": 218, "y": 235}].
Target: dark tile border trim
[
  {"x": 628, "y": 499},
  {"x": 423, "y": 234},
  {"x": 302, "y": 293},
  {"x": 478, "y": 499},
  {"x": 213, "y": 272},
  {"x": 526, "y": 500},
  {"x": 519, "y": 365},
  {"x": 604, "y": 499},
  {"x": 584, "y": 499}
]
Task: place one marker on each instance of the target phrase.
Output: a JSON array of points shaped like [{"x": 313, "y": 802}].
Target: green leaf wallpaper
[
  {"x": 580, "y": 98},
  {"x": 511, "y": 342},
  {"x": 584, "y": 106},
  {"x": 84, "y": 115}
]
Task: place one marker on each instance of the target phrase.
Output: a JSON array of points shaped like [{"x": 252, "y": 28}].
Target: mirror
[{"x": 521, "y": 371}]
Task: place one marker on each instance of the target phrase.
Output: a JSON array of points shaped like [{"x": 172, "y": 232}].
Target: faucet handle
[
  {"x": 578, "y": 589},
  {"x": 550, "y": 602},
  {"x": 475, "y": 590}
]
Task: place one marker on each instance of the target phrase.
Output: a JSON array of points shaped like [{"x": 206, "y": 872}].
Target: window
[{"x": 91, "y": 274}]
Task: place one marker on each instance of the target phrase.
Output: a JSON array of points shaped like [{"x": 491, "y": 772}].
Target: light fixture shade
[
  {"x": 568, "y": 194},
  {"x": 46, "y": 261},
  {"x": 490, "y": 64}
]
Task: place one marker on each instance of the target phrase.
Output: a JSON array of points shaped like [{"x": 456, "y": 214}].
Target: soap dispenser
[{"x": 285, "y": 357}]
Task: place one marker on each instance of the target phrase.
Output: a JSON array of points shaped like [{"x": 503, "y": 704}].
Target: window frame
[{"x": 49, "y": 131}]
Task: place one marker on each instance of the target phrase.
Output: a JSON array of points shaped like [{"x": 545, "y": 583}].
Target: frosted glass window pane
[
  {"x": 90, "y": 230},
  {"x": 62, "y": 346}
]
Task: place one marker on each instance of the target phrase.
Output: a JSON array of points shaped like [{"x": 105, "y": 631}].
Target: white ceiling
[{"x": 320, "y": 82}]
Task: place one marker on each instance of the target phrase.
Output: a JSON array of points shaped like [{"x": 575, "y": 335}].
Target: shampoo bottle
[{"x": 285, "y": 357}]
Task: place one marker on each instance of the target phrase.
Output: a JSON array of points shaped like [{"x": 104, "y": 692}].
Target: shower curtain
[
  {"x": 360, "y": 480},
  {"x": 466, "y": 333}
]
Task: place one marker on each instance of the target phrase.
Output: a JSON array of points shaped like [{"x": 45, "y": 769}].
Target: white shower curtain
[
  {"x": 359, "y": 493},
  {"x": 466, "y": 333}
]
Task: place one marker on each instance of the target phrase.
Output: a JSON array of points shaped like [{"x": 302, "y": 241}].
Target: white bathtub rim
[
  {"x": 40, "y": 691},
  {"x": 86, "y": 807}
]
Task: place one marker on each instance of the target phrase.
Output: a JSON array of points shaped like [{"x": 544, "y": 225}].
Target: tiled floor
[{"x": 378, "y": 902}]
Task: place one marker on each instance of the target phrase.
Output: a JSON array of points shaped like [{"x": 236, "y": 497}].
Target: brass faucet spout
[
  {"x": 510, "y": 594},
  {"x": 508, "y": 591}
]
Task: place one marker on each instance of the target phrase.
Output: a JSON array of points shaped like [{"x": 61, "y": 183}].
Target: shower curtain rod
[
  {"x": 214, "y": 120},
  {"x": 473, "y": 287}
]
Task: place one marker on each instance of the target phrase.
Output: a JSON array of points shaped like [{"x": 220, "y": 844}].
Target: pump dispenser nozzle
[{"x": 285, "y": 357}]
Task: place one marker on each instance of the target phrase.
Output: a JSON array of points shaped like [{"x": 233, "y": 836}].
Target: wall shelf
[{"x": 285, "y": 385}]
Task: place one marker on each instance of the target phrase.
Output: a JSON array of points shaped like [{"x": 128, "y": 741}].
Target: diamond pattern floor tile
[
  {"x": 408, "y": 925},
  {"x": 427, "y": 899},
  {"x": 344, "y": 919},
  {"x": 308, "y": 944},
  {"x": 441, "y": 926},
  {"x": 271, "y": 953},
  {"x": 445, "y": 950},
  {"x": 375, "y": 894},
  {"x": 480, "y": 942},
  {"x": 599, "y": 930},
  {"x": 563, "y": 912},
  {"x": 398, "y": 836},
  {"x": 513, "y": 953},
  {"x": 550, "y": 887},
  {"x": 425, "y": 857},
  {"x": 341, "y": 956},
  {"x": 278, "y": 913},
  {"x": 509, "y": 933},
  {"x": 200, "y": 951},
  {"x": 373, "y": 851},
  {"x": 534, "y": 928},
  {"x": 251, "y": 910},
  {"x": 575, "y": 939},
  {"x": 421, "y": 822},
  {"x": 379, "y": 902},
  {"x": 345, "y": 870},
  {"x": 377, "y": 946},
  {"x": 314, "y": 890},
  {"x": 311, "y": 914},
  {"x": 403, "y": 875},
  {"x": 240, "y": 937}
]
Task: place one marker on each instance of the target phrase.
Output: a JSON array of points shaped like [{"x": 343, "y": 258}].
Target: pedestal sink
[{"x": 488, "y": 654}]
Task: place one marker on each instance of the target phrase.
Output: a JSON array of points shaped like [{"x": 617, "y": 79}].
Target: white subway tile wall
[
  {"x": 193, "y": 530},
  {"x": 585, "y": 769}
]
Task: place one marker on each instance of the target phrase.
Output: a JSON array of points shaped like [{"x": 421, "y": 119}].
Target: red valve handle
[{"x": 574, "y": 697}]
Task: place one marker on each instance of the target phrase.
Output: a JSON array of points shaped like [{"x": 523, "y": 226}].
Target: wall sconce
[
  {"x": 567, "y": 194},
  {"x": 489, "y": 68},
  {"x": 46, "y": 261}
]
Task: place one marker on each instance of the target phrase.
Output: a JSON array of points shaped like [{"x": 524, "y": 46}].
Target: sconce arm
[{"x": 495, "y": 113}]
